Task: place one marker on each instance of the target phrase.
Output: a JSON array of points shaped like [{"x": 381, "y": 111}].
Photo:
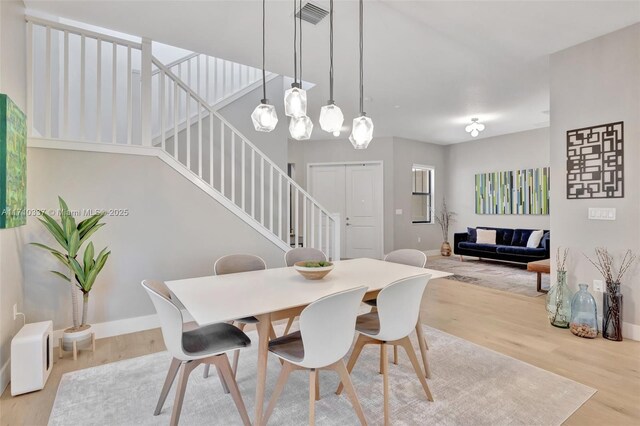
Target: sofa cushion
[
  {"x": 486, "y": 236},
  {"x": 491, "y": 248},
  {"x": 503, "y": 235},
  {"x": 520, "y": 237},
  {"x": 473, "y": 235},
  {"x": 521, "y": 251}
]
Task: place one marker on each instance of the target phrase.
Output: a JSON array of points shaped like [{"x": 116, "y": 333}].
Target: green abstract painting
[
  {"x": 13, "y": 164},
  {"x": 513, "y": 192}
]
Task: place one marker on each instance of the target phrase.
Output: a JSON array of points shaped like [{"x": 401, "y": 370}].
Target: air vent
[{"x": 312, "y": 13}]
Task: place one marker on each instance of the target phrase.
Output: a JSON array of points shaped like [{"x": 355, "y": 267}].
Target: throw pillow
[
  {"x": 534, "y": 239},
  {"x": 472, "y": 235},
  {"x": 486, "y": 236}
]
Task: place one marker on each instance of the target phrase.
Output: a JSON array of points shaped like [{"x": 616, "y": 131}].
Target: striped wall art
[{"x": 513, "y": 192}]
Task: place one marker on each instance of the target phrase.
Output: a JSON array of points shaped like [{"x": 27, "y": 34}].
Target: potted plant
[
  {"x": 444, "y": 219},
  {"x": 71, "y": 236}
]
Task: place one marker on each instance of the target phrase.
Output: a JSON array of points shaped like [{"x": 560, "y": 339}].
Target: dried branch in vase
[
  {"x": 561, "y": 260},
  {"x": 605, "y": 265},
  {"x": 444, "y": 219}
]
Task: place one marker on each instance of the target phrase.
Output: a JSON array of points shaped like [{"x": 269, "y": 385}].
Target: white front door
[{"x": 356, "y": 192}]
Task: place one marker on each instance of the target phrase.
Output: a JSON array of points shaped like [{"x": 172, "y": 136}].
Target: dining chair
[
  {"x": 190, "y": 348},
  {"x": 395, "y": 318},
  {"x": 325, "y": 336},
  {"x": 233, "y": 264},
  {"x": 300, "y": 254},
  {"x": 417, "y": 258}
]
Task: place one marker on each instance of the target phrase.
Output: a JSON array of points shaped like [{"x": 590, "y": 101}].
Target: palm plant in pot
[
  {"x": 445, "y": 219},
  {"x": 71, "y": 236}
]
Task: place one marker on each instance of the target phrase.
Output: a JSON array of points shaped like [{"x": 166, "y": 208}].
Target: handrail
[
  {"x": 198, "y": 99},
  {"x": 177, "y": 62}
]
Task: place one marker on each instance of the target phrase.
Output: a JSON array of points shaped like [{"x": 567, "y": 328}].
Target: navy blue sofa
[{"x": 511, "y": 245}]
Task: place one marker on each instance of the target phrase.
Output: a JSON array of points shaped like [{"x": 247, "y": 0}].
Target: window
[{"x": 422, "y": 194}]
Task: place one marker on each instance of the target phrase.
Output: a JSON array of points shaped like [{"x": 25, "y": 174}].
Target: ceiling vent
[{"x": 312, "y": 13}]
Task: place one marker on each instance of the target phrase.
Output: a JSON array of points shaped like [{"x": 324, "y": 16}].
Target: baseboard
[
  {"x": 118, "y": 327},
  {"x": 435, "y": 252},
  {"x": 5, "y": 375}
]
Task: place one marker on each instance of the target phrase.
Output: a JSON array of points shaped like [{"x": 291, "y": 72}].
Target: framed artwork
[
  {"x": 595, "y": 162},
  {"x": 13, "y": 164},
  {"x": 519, "y": 192}
]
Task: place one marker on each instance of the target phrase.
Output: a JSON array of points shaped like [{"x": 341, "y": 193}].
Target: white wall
[
  {"x": 593, "y": 83},
  {"x": 173, "y": 230},
  {"x": 13, "y": 83},
  {"x": 523, "y": 150}
]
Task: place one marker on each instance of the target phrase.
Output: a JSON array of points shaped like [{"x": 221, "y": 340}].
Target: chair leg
[
  {"x": 183, "y": 378},
  {"x": 382, "y": 349},
  {"x": 357, "y": 349},
  {"x": 395, "y": 354},
  {"x": 313, "y": 374},
  {"x": 224, "y": 369},
  {"x": 289, "y": 324},
  {"x": 236, "y": 353},
  {"x": 385, "y": 381},
  {"x": 171, "y": 376},
  {"x": 317, "y": 385},
  {"x": 422, "y": 343},
  {"x": 406, "y": 344},
  {"x": 345, "y": 379},
  {"x": 223, "y": 380},
  {"x": 206, "y": 370},
  {"x": 282, "y": 380}
]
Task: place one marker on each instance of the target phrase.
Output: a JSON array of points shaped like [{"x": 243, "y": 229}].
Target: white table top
[{"x": 214, "y": 299}]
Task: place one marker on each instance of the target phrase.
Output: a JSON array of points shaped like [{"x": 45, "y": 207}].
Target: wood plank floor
[{"x": 511, "y": 324}]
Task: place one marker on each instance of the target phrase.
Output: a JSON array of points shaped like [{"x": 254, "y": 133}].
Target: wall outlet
[
  {"x": 598, "y": 286},
  {"x": 398, "y": 212},
  {"x": 15, "y": 311},
  {"x": 419, "y": 239}
]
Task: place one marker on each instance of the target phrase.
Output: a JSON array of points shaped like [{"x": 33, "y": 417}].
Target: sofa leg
[{"x": 461, "y": 258}]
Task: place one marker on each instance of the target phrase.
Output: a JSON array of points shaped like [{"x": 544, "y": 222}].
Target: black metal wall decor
[{"x": 595, "y": 162}]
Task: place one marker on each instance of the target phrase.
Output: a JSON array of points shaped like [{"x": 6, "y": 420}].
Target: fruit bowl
[{"x": 313, "y": 270}]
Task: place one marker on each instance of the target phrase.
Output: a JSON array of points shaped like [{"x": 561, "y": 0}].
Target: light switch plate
[
  {"x": 597, "y": 286},
  {"x": 602, "y": 213},
  {"x": 398, "y": 212}
]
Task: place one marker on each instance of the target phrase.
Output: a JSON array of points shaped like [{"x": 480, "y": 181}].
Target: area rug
[
  {"x": 509, "y": 277},
  {"x": 471, "y": 385}
]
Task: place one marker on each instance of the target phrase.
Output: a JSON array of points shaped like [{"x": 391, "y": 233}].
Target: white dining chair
[
  {"x": 202, "y": 345},
  {"x": 395, "y": 318},
  {"x": 417, "y": 258},
  {"x": 301, "y": 254},
  {"x": 325, "y": 336},
  {"x": 233, "y": 264}
]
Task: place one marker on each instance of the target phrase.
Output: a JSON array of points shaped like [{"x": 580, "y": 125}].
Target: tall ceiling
[{"x": 430, "y": 66}]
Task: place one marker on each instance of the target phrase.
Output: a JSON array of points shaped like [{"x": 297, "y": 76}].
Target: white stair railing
[{"x": 89, "y": 87}]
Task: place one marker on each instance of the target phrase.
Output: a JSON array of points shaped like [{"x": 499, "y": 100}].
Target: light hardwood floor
[{"x": 508, "y": 323}]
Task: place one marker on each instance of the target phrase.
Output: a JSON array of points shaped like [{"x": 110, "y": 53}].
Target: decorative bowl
[{"x": 310, "y": 271}]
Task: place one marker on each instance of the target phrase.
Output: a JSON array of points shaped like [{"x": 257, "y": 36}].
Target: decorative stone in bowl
[{"x": 313, "y": 270}]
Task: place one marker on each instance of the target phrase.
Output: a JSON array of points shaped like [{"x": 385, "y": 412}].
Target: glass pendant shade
[
  {"x": 474, "y": 128},
  {"x": 361, "y": 132},
  {"x": 295, "y": 102},
  {"x": 331, "y": 118},
  {"x": 300, "y": 128},
  {"x": 264, "y": 117},
  {"x": 474, "y": 133}
]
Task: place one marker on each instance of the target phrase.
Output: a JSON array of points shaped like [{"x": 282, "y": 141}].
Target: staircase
[{"x": 95, "y": 92}]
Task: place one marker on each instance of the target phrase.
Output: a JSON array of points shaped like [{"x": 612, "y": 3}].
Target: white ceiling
[{"x": 430, "y": 66}]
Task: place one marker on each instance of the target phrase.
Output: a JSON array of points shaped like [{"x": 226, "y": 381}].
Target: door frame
[{"x": 381, "y": 183}]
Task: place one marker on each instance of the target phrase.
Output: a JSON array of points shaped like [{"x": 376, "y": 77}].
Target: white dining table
[{"x": 279, "y": 293}]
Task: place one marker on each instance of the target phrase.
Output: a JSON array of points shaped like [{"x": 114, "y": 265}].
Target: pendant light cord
[
  {"x": 264, "y": 74},
  {"x": 295, "y": 44},
  {"x": 361, "y": 64},
  {"x": 331, "y": 51},
  {"x": 300, "y": 21}
]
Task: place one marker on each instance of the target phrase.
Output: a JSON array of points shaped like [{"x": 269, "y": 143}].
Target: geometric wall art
[
  {"x": 13, "y": 164},
  {"x": 595, "y": 162},
  {"x": 519, "y": 192}
]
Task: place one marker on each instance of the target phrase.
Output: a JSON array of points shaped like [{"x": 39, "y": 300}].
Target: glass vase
[
  {"x": 559, "y": 302},
  {"x": 612, "y": 312},
  {"x": 584, "y": 314}
]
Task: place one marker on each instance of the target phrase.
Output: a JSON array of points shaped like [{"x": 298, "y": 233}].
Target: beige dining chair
[
  {"x": 417, "y": 258},
  {"x": 190, "y": 348},
  {"x": 325, "y": 336},
  {"x": 395, "y": 318}
]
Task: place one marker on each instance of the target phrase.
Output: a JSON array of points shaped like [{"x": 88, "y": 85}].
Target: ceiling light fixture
[
  {"x": 264, "y": 117},
  {"x": 362, "y": 129},
  {"x": 300, "y": 127},
  {"x": 474, "y": 128},
  {"x": 331, "y": 117},
  {"x": 295, "y": 99}
]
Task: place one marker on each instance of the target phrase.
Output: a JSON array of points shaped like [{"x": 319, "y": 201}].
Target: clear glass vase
[
  {"x": 559, "y": 302},
  {"x": 584, "y": 314},
  {"x": 612, "y": 312}
]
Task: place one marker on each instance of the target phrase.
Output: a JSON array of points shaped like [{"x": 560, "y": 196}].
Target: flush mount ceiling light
[
  {"x": 295, "y": 99},
  {"x": 264, "y": 117},
  {"x": 331, "y": 117},
  {"x": 362, "y": 129},
  {"x": 474, "y": 128}
]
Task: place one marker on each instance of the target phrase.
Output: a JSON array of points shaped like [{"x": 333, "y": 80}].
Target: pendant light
[
  {"x": 331, "y": 117},
  {"x": 295, "y": 99},
  {"x": 264, "y": 117},
  {"x": 362, "y": 128},
  {"x": 300, "y": 126}
]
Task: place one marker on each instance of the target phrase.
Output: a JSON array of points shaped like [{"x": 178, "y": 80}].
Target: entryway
[{"x": 355, "y": 190}]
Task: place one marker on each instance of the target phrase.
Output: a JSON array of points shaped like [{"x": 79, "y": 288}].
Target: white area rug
[{"x": 471, "y": 385}]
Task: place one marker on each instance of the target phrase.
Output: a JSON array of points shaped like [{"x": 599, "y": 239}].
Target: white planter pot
[{"x": 81, "y": 337}]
